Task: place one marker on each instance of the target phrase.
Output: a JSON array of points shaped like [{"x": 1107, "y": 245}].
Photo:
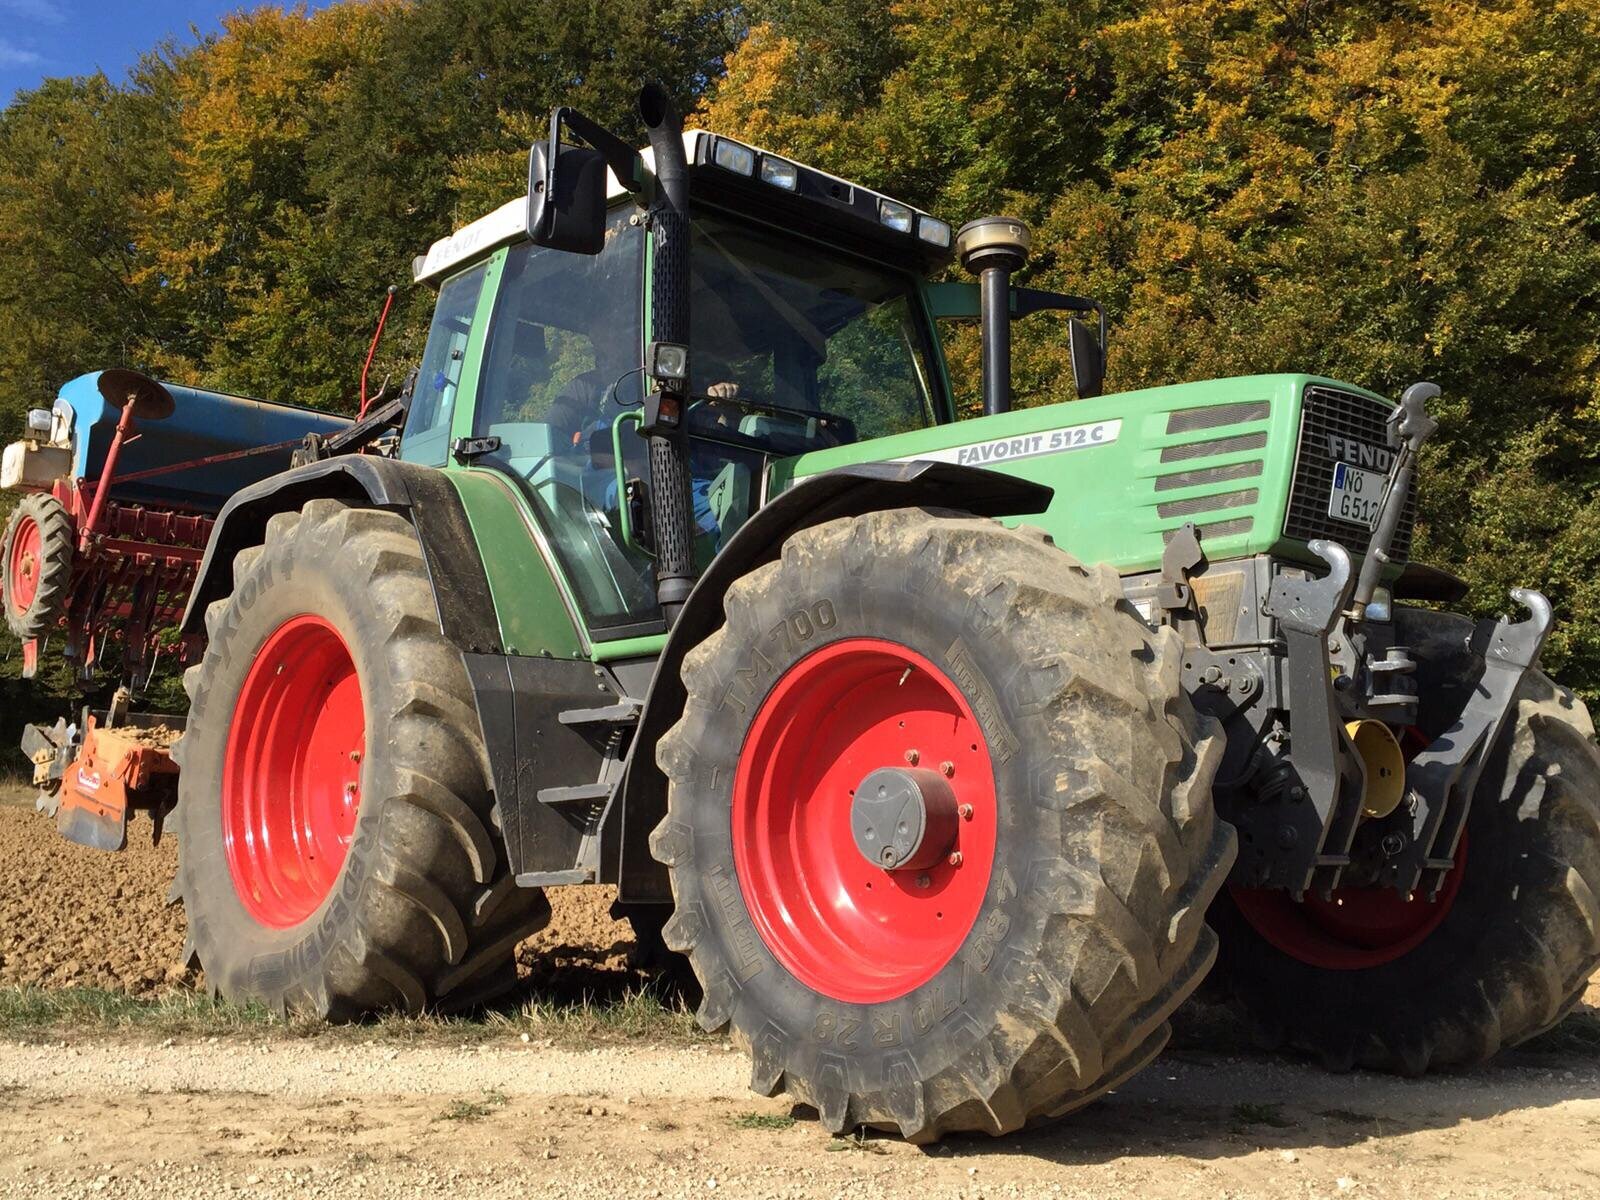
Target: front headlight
[
  {"x": 1382, "y": 606},
  {"x": 779, "y": 173},
  {"x": 934, "y": 231}
]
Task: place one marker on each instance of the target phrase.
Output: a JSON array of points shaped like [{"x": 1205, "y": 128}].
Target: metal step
[
  {"x": 625, "y": 712},
  {"x": 582, "y": 793}
]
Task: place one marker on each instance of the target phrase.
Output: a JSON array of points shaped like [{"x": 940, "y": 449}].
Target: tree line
[{"x": 1378, "y": 191}]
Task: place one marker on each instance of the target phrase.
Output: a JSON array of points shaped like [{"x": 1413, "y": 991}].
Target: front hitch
[
  {"x": 1441, "y": 779},
  {"x": 1312, "y": 830}
]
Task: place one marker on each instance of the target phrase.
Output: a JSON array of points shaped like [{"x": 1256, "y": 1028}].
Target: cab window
[
  {"x": 426, "y": 438},
  {"x": 562, "y": 364},
  {"x": 805, "y": 333},
  {"x": 793, "y": 349}
]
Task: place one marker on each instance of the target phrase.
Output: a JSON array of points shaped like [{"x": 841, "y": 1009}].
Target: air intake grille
[{"x": 1328, "y": 419}]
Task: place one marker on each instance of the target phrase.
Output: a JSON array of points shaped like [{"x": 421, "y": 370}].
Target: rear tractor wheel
[
  {"x": 36, "y": 556},
  {"x": 940, "y": 830},
  {"x": 337, "y": 846},
  {"x": 1373, "y": 979}
]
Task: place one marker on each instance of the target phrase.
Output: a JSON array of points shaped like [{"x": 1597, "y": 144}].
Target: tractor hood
[{"x": 1249, "y": 461}]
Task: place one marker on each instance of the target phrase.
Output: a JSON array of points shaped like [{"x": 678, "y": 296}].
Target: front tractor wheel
[
  {"x": 940, "y": 829},
  {"x": 1370, "y": 978},
  {"x": 337, "y": 852}
]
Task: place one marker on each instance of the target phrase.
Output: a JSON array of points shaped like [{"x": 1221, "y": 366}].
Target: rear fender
[
  {"x": 845, "y": 492},
  {"x": 421, "y": 494}
]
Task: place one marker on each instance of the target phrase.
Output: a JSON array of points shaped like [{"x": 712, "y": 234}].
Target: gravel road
[{"x": 282, "y": 1118}]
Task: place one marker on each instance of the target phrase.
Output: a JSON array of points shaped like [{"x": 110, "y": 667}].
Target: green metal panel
[
  {"x": 1117, "y": 494},
  {"x": 534, "y": 612},
  {"x": 467, "y": 393}
]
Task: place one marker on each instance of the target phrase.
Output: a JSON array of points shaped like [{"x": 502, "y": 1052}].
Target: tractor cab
[{"x": 810, "y": 330}]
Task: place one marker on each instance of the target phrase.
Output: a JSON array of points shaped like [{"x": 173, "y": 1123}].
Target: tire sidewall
[
  {"x": 868, "y": 1046},
  {"x": 243, "y": 956}
]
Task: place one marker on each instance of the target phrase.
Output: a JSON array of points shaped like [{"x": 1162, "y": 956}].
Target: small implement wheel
[
  {"x": 337, "y": 852},
  {"x": 37, "y": 559},
  {"x": 939, "y": 830},
  {"x": 1372, "y": 979}
]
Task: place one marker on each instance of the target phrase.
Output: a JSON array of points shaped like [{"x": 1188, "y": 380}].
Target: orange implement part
[{"x": 111, "y": 774}]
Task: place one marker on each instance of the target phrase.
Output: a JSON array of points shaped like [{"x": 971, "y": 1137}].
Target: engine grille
[{"x": 1331, "y": 414}]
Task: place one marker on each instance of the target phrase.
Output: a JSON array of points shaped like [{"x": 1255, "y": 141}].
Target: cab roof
[{"x": 735, "y": 175}]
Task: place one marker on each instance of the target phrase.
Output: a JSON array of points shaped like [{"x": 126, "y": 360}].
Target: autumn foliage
[{"x": 1379, "y": 191}]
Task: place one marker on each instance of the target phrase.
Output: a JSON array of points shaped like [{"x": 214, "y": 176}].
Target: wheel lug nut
[
  {"x": 947, "y": 769},
  {"x": 355, "y": 756},
  {"x": 913, "y": 757},
  {"x": 923, "y": 881},
  {"x": 966, "y": 812},
  {"x": 955, "y": 858}
]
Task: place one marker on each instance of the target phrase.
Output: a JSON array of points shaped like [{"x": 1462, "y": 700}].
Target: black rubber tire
[
  {"x": 1518, "y": 945},
  {"x": 55, "y": 566},
  {"x": 1092, "y": 930},
  {"x": 424, "y": 911}
]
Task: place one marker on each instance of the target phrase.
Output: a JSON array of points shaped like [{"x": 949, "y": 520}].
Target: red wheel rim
[
  {"x": 842, "y": 926},
  {"x": 1357, "y": 928},
  {"x": 291, "y": 776},
  {"x": 22, "y": 572}
]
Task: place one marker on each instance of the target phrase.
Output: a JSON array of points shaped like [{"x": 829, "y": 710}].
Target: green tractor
[{"x": 953, "y": 754}]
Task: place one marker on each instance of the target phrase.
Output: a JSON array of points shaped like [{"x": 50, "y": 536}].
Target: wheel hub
[
  {"x": 26, "y": 548},
  {"x": 904, "y": 819}
]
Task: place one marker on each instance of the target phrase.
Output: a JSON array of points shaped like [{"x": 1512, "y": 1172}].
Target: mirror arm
[
  {"x": 622, "y": 158},
  {"x": 1027, "y": 301}
]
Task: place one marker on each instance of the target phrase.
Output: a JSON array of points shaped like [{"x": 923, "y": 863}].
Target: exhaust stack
[{"x": 671, "y": 506}]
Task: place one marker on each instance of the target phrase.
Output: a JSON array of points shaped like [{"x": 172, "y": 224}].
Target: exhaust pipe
[
  {"x": 671, "y": 506},
  {"x": 992, "y": 248}
]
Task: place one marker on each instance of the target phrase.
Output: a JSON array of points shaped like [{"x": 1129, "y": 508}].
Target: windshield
[{"x": 791, "y": 328}]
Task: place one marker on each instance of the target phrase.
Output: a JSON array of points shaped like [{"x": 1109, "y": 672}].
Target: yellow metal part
[{"x": 1386, "y": 766}]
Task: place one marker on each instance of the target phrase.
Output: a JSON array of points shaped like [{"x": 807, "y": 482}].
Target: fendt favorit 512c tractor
[{"x": 934, "y": 744}]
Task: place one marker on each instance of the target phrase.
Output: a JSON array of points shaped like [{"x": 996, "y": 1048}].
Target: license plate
[{"x": 1356, "y": 495}]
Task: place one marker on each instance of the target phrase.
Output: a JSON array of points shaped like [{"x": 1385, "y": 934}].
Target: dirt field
[
  {"x": 76, "y": 917},
  {"x": 265, "y": 1114}
]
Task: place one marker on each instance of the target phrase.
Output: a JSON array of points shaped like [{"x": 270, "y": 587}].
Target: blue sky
[{"x": 74, "y": 37}]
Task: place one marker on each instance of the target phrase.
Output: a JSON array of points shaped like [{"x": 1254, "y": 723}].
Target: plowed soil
[{"x": 75, "y": 917}]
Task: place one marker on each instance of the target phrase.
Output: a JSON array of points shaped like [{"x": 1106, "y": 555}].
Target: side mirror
[
  {"x": 567, "y": 184},
  {"x": 567, "y": 196},
  {"x": 1088, "y": 359}
]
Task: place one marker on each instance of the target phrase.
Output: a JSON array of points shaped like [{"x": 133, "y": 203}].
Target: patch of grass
[
  {"x": 33, "y": 1011},
  {"x": 763, "y": 1121},
  {"x": 473, "y": 1110},
  {"x": 634, "y": 1016},
  {"x": 1249, "y": 1112}
]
